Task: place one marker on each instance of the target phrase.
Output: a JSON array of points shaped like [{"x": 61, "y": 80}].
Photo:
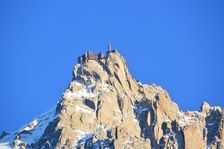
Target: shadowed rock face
[{"x": 105, "y": 107}]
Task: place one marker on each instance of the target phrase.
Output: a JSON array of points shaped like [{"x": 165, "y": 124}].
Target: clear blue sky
[{"x": 178, "y": 45}]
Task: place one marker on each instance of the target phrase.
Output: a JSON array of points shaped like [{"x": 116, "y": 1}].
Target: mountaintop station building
[{"x": 93, "y": 56}]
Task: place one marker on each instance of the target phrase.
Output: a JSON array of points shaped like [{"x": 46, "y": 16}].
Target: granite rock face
[{"x": 105, "y": 107}]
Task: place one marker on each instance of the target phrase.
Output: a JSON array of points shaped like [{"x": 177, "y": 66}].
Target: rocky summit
[{"x": 105, "y": 107}]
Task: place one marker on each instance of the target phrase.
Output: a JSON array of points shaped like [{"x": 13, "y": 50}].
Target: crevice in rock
[
  {"x": 98, "y": 106},
  {"x": 120, "y": 103},
  {"x": 179, "y": 135},
  {"x": 96, "y": 76},
  {"x": 116, "y": 64},
  {"x": 118, "y": 79},
  {"x": 129, "y": 84},
  {"x": 116, "y": 133},
  {"x": 141, "y": 110},
  {"x": 109, "y": 82},
  {"x": 89, "y": 104},
  {"x": 213, "y": 120},
  {"x": 153, "y": 121}
]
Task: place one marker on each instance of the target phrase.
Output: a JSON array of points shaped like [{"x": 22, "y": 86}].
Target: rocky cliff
[{"x": 105, "y": 107}]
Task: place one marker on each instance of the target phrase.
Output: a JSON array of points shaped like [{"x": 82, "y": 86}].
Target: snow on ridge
[
  {"x": 84, "y": 92},
  {"x": 30, "y": 126},
  {"x": 189, "y": 118},
  {"x": 43, "y": 122},
  {"x": 5, "y": 145},
  {"x": 31, "y": 132}
]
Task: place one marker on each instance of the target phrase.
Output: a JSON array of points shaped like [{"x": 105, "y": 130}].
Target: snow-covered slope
[{"x": 29, "y": 133}]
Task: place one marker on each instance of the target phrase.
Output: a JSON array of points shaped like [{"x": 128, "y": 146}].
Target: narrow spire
[{"x": 109, "y": 47}]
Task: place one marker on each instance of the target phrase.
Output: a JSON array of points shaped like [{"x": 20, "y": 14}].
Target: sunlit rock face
[{"x": 105, "y": 107}]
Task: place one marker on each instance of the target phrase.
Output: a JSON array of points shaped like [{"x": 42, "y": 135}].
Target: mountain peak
[
  {"x": 105, "y": 107},
  {"x": 92, "y": 69}
]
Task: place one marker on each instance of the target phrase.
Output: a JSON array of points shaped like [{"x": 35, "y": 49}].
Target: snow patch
[
  {"x": 5, "y": 145},
  {"x": 83, "y": 109},
  {"x": 31, "y": 126},
  {"x": 84, "y": 92},
  {"x": 185, "y": 120}
]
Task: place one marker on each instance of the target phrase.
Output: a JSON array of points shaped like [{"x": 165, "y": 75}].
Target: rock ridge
[{"x": 105, "y": 107}]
